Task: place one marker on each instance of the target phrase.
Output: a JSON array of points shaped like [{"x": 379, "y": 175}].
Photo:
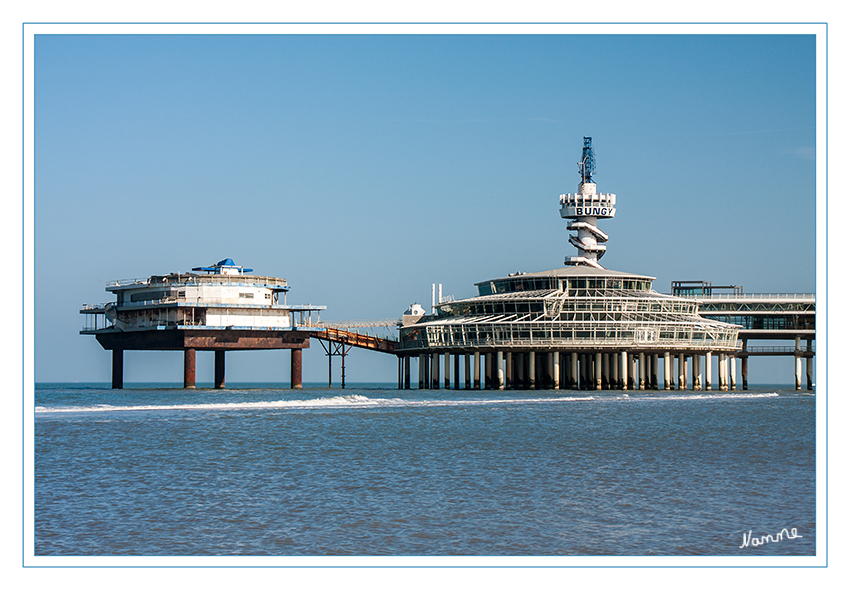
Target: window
[{"x": 246, "y": 295}]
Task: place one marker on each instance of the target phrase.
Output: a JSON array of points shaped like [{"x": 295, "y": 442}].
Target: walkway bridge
[
  {"x": 340, "y": 340},
  {"x": 335, "y": 333}
]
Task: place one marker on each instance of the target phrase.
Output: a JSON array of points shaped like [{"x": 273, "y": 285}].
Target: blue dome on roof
[{"x": 226, "y": 263}]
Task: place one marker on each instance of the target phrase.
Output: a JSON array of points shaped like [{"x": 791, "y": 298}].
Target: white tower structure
[{"x": 585, "y": 207}]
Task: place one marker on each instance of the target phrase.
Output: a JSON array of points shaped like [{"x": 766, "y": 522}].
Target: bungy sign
[{"x": 596, "y": 211}]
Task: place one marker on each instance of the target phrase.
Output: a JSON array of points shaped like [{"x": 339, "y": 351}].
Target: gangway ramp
[
  {"x": 340, "y": 340},
  {"x": 337, "y": 335}
]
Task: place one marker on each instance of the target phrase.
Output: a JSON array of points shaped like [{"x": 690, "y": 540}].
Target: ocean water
[{"x": 375, "y": 471}]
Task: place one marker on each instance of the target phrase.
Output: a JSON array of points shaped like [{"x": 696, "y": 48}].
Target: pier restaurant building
[
  {"x": 578, "y": 327},
  {"x": 215, "y": 308}
]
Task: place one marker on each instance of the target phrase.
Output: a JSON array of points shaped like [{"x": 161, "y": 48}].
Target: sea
[{"x": 370, "y": 470}]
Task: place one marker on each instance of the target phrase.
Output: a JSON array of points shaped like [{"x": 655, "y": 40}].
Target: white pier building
[
  {"x": 580, "y": 326},
  {"x": 218, "y": 307}
]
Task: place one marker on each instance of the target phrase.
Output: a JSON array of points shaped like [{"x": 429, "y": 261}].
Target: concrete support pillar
[
  {"x": 532, "y": 370},
  {"x": 708, "y": 371},
  {"x": 435, "y": 371},
  {"x": 447, "y": 378},
  {"x": 500, "y": 370},
  {"x": 574, "y": 375},
  {"x": 556, "y": 366},
  {"x": 189, "y": 368},
  {"x": 624, "y": 370},
  {"x": 666, "y": 370},
  {"x": 467, "y": 373},
  {"x": 219, "y": 367},
  {"x": 653, "y": 370},
  {"x": 733, "y": 370},
  {"x": 798, "y": 372},
  {"x": 476, "y": 371},
  {"x": 744, "y": 372},
  {"x": 597, "y": 381},
  {"x": 798, "y": 365},
  {"x": 641, "y": 371},
  {"x": 421, "y": 364},
  {"x": 519, "y": 370},
  {"x": 582, "y": 372},
  {"x": 809, "y": 362},
  {"x": 550, "y": 370},
  {"x": 407, "y": 372},
  {"x": 488, "y": 370},
  {"x": 683, "y": 373},
  {"x": 697, "y": 372},
  {"x": 117, "y": 368},
  {"x": 509, "y": 370},
  {"x": 630, "y": 371},
  {"x": 457, "y": 370}
]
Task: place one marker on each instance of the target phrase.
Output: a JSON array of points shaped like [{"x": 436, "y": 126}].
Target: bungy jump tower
[{"x": 577, "y": 327}]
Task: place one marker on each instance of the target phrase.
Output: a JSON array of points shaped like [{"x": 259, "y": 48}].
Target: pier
[
  {"x": 760, "y": 317},
  {"x": 581, "y": 326}
]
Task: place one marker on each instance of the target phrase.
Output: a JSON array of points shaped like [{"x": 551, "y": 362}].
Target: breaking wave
[{"x": 362, "y": 401}]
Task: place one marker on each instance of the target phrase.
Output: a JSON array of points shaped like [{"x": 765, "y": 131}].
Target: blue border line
[{"x": 826, "y": 299}]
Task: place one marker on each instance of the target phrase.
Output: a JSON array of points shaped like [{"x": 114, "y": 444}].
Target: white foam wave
[
  {"x": 695, "y": 396},
  {"x": 361, "y": 401},
  {"x": 324, "y": 402}
]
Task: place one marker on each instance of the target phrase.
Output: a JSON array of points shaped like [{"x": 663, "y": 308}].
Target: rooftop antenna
[
  {"x": 585, "y": 207},
  {"x": 587, "y": 166}
]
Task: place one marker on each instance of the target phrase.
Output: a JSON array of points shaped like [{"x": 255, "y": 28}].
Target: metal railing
[
  {"x": 748, "y": 296},
  {"x": 757, "y": 350},
  {"x": 181, "y": 279},
  {"x": 359, "y": 324},
  {"x": 125, "y": 282}
]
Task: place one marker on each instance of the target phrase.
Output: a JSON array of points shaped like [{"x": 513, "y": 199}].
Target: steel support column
[
  {"x": 117, "y": 368},
  {"x": 407, "y": 372},
  {"x": 219, "y": 369},
  {"x": 294, "y": 369},
  {"x": 189, "y": 368}
]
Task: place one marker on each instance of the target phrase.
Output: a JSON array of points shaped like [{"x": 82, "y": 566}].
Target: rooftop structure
[
  {"x": 585, "y": 208},
  {"x": 580, "y": 326}
]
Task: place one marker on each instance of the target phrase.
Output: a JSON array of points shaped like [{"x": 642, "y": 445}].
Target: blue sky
[{"x": 363, "y": 168}]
